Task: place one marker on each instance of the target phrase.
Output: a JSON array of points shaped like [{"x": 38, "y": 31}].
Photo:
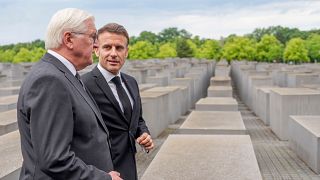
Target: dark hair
[{"x": 114, "y": 28}]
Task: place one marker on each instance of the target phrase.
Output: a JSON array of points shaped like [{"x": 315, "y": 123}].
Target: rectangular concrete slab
[
  {"x": 8, "y": 121},
  {"x": 7, "y": 91},
  {"x": 217, "y": 104},
  {"x": 220, "y": 81},
  {"x": 213, "y": 122},
  {"x": 8, "y": 102},
  {"x": 291, "y": 101},
  {"x": 219, "y": 91},
  {"x": 155, "y": 111},
  {"x": 143, "y": 87},
  {"x": 10, "y": 153},
  {"x": 175, "y": 100},
  {"x": 205, "y": 157},
  {"x": 304, "y": 139}
]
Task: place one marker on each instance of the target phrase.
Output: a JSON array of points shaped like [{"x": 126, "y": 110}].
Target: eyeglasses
[{"x": 92, "y": 36}]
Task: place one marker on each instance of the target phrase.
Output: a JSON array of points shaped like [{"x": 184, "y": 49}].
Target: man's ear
[
  {"x": 67, "y": 40},
  {"x": 127, "y": 52}
]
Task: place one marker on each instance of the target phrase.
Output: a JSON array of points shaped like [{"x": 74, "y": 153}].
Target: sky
[{"x": 26, "y": 20}]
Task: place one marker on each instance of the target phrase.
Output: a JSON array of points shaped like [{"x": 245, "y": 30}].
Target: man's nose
[{"x": 113, "y": 51}]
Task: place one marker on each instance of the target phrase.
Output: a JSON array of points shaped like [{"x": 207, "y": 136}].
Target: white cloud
[{"x": 26, "y": 22}]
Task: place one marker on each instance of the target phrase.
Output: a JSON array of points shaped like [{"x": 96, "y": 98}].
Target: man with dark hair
[{"x": 117, "y": 95}]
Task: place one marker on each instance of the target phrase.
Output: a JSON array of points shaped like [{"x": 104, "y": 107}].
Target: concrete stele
[
  {"x": 205, "y": 157},
  {"x": 304, "y": 139},
  {"x": 291, "y": 101},
  {"x": 217, "y": 104},
  {"x": 10, "y": 153},
  {"x": 213, "y": 122}
]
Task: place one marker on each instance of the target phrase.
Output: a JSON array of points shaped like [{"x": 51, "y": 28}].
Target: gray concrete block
[
  {"x": 8, "y": 102},
  {"x": 174, "y": 103},
  {"x": 263, "y": 104},
  {"x": 155, "y": 111},
  {"x": 253, "y": 82},
  {"x": 189, "y": 82},
  {"x": 8, "y": 121},
  {"x": 139, "y": 74},
  {"x": 297, "y": 80},
  {"x": 219, "y": 91},
  {"x": 213, "y": 122},
  {"x": 291, "y": 101},
  {"x": 10, "y": 153},
  {"x": 205, "y": 157},
  {"x": 159, "y": 80},
  {"x": 7, "y": 91},
  {"x": 143, "y": 87},
  {"x": 304, "y": 139},
  {"x": 217, "y": 104},
  {"x": 220, "y": 81}
]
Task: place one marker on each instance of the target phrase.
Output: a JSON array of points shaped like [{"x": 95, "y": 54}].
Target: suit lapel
[
  {"x": 104, "y": 86},
  {"x": 51, "y": 59}
]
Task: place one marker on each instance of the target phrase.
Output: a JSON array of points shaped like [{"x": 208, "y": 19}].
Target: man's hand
[
  {"x": 145, "y": 141},
  {"x": 115, "y": 175}
]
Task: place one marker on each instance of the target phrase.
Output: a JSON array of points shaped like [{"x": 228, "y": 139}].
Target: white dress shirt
[
  {"x": 108, "y": 77},
  {"x": 67, "y": 63}
]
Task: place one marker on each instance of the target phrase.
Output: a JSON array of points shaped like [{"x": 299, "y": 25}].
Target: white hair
[{"x": 69, "y": 19}]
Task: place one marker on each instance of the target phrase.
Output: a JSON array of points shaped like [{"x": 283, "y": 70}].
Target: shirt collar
[
  {"x": 64, "y": 61},
  {"x": 106, "y": 74}
]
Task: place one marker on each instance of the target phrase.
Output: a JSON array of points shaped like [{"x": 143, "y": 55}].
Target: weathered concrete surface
[
  {"x": 205, "y": 157},
  {"x": 10, "y": 153},
  {"x": 291, "y": 101},
  {"x": 213, "y": 122},
  {"x": 304, "y": 139},
  {"x": 217, "y": 104},
  {"x": 219, "y": 91}
]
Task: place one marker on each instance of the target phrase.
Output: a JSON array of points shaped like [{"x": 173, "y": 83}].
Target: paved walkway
[{"x": 276, "y": 160}]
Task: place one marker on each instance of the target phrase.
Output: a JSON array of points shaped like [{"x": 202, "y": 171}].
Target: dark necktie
[
  {"x": 79, "y": 79},
  {"x": 123, "y": 98}
]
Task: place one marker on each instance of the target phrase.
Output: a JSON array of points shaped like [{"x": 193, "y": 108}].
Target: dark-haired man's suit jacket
[
  {"x": 123, "y": 132},
  {"x": 63, "y": 135}
]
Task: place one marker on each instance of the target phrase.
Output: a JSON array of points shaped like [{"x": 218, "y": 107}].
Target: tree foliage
[
  {"x": 296, "y": 51},
  {"x": 239, "y": 48},
  {"x": 269, "y": 49},
  {"x": 167, "y": 50},
  {"x": 263, "y": 44},
  {"x": 313, "y": 46},
  {"x": 210, "y": 49},
  {"x": 142, "y": 50},
  {"x": 184, "y": 49}
]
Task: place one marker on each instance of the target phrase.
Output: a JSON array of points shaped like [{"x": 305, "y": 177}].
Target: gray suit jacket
[{"x": 63, "y": 135}]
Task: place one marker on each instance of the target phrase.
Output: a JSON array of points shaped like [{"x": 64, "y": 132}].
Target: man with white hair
[{"x": 63, "y": 135}]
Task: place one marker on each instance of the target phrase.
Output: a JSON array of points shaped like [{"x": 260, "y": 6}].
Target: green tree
[
  {"x": 167, "y": 50},
  {"x": 210, "y": 49},
  {"x": 24, "y": 55},
  {"x": 283, "y": 34},
  {"x": 148, "y": 36},
  {"x": 37, "y": 53},
  {"x": 183, "y": 48},
  {"x": 269, "y": 49},
  {"x": 142, "y": 50},
  {"x": 7, "y": 55},
  {"x": 172, "y": 33},
  {"x": 313, "y": 46},
  {"x": 296, "y": 51},
  {"x": 239, "y": 48}
]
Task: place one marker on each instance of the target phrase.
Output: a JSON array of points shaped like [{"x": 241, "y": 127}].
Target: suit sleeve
[
  {"x": 142, "y": 127},
  {"x": 51, "y": 122}
]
